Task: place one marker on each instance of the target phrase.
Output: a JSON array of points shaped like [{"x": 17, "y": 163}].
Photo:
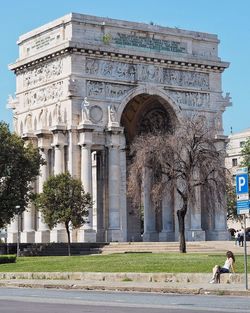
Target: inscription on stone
[
  {"x": 148, "y": 43},
  {"x": 43, "y": 42},
  {"x": 101, "y": 90}
]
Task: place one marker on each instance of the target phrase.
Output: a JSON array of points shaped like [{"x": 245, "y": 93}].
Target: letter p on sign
[{"x": 242, "y": 183}]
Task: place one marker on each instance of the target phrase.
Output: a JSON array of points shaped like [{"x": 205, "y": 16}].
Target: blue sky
[{"x": 229, "y": 19}]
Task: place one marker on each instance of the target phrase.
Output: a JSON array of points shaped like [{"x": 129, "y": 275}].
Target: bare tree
[{"x": 182, "y": 160}]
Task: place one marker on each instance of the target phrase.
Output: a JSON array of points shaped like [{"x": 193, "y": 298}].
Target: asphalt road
[{"x": 13, "y": 300}]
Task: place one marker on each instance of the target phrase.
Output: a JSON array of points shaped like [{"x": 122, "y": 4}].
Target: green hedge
[{"x": 7, "y": 259}]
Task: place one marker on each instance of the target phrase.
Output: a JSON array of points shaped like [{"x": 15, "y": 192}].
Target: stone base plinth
[
  {"x": 150, "y": 236},
  {"x": 27, "y": 237},
  {"x": 58, "y": 235},
  {"x": 218, "y": 235},
  {"x": 115, "y": 235},
  {"x": 166, "y": 236},
  {"x": 42, "y": 236},
  {"x": 11, "y": 237},
  {"x": 196, "y": 235},
  {"x": 86, "y": 235}
]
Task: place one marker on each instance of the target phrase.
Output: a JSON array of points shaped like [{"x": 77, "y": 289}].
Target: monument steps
[
  {"x": 60, "y": 249},
  {"x": 165, "y": 247}
]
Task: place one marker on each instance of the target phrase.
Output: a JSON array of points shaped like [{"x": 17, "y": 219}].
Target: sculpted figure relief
[
  {"x": 28, "y": 123},
  {"x": 112, "y": 115},
  {"x": 85, "y": 111}
]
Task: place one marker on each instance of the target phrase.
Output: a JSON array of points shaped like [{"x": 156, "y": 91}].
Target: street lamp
[{"x": 18, "y": 232}]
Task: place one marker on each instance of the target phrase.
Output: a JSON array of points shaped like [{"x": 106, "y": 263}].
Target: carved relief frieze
[
  {"x": 100, "y": 90},
  {"x": 42, "y": 74},
  {"x": 48, "y": 94},
  {"x": 111, "y": 69},
  {"x": 185, "y": 78},
  {"x": 147, "y": 73},
  {"x": 190, "y": 99},
  {"x": 150, "y": 73}
]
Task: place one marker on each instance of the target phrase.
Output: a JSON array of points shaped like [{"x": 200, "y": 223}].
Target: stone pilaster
[
  {"x": 195, "y": 233},
  {"x": 220, "y": 222},
  {"x": 149, "y": 213},
  {"x": 167, "y": 233}
]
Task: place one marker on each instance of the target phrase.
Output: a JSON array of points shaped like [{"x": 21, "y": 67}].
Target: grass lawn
[{"x": 130, "y": 262}]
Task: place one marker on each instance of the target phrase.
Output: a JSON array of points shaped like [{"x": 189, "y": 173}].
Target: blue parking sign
[{"x": 242, "y": 183}]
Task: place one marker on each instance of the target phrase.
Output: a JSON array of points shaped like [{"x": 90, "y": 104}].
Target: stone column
[
  {"x": 29, "y": 215},
  {"x": 86, "y": 233},
  {"x": 100, "y": 195},
  {"x": 114, "y": 183},
  {"x": 28, "y": 231},
  {"x": 58, "y": 234},
  {"x": 149, "y": 213},
  {"x": 123, "y": 188},
  {"x": 44, "y": 142},
  {"x": 12, "y": 231}
]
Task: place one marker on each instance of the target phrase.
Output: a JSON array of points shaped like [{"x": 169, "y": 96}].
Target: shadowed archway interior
[{"x": 144, "y": 114}]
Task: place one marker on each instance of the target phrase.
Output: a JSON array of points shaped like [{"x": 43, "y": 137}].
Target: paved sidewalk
[{"x": 237, "y": 289}]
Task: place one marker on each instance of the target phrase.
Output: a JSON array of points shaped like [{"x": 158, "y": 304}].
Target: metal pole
[
  {"x": 18, "y": 236},
  {"x": 245, "y": 253},
  {"x": 18, "y": 232}
]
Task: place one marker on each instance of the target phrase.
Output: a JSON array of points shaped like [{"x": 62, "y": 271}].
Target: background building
[
  {"x": 86, "y": 86},
  {"x": 233, "y": 163}
]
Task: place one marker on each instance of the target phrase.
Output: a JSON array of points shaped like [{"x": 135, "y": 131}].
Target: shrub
[{"x": 7, "y": 259}]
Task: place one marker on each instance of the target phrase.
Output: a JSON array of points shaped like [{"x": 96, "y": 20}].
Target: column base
[
  {"x": 58, "y": 235},
  {"x": 150, "y": 236},
  {"x": 115, "y": 235},
  {"x": 86, "y": 235},
  {"x": 196, "y": 235},
  {"x": 27, "y": 237},
  {"x": 166, "y": 236},
  {"x": 217, "y": 235},
  {"x": 11, "y": 237},
  {"x": 42, "y": 236}
]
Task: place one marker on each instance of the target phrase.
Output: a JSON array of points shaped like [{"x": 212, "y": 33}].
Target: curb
[{"x": 213, "y": 290}]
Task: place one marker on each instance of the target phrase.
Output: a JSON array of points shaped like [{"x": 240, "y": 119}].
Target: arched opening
[{"x": 147, "y": 113}]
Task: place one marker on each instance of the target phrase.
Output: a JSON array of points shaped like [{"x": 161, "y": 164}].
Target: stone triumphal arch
[{"x": 86, "y": 86}]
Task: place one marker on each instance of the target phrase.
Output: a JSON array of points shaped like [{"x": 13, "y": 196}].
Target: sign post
[{"x": 242, "y": 194}]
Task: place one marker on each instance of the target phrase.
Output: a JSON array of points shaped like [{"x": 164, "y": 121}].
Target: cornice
[{"x": 187, "y": 62}]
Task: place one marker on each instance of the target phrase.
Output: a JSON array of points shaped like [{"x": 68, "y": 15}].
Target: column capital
[
  {"x": 85, "y": 128},
  {"x": 115, "y": 129},
  {"x": 44, "y": 140},
  {"x": 57, "y": 128},
  {"x": 59, "y": 139}
]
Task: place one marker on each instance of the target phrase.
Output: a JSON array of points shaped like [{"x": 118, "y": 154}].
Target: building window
[
  {"x": 242, "y": 143},
  {"x": 234, "y": 162}
]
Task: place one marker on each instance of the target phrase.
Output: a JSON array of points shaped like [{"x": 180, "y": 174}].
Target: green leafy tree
[
  {"x": 64, "y": 201},
  {"x": 246, "y": 154},
  {"x": 19, "y": 166}
]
